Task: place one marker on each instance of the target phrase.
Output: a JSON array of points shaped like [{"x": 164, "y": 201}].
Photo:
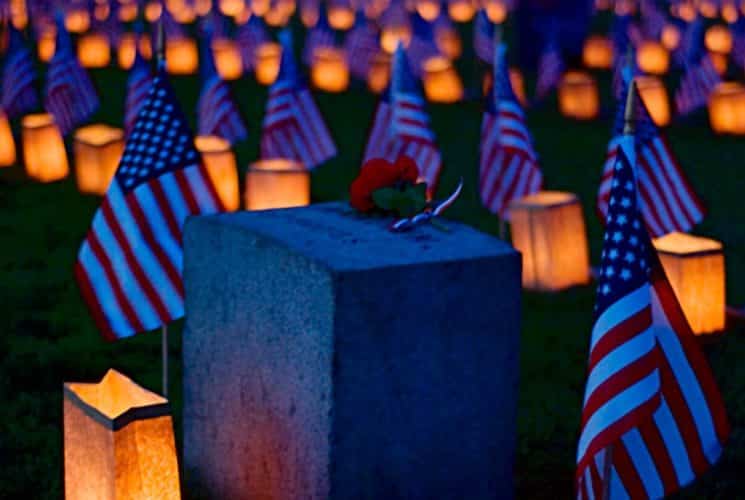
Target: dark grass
[{"x": 47, "y": 337}]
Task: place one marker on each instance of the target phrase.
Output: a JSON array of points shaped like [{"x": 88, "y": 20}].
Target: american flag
[
  {"x": 401, "y": 125},
  {"x": 700, "y": 75},
  {"x": 70, "y": 95},
  {"x": 691, "y": 42},
  {"x": 653, "y": 19},
  {"x": 249, "y": 37},
  {"x": 667, "y": 201},
  {"x": 138, "y": 85},
  {"x": 19, "y": 93},
  {"x": 653, "y": 419},
  {"x": 320, "y": 35},
  {"x": 622, "y": 49},
  {"x": 360, "y": 46},
  {"x": 422, "y": 45},
  {"x": 508, "y": 166},
  {"x": 293, "y": 126},
  {"x": 483, "y": 37},
  {"x": 129, "y": 265},
  {"x": 217, "y": 113},
  {"x": 550, "y": 69}
]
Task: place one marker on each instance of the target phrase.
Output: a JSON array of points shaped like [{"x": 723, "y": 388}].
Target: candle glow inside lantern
[
  {"x": 182, "y": 56},
  {"x": 578, "y": 96},
  {"x": 126, "y": 49},
  {"x": 653, "y": 58},
  {"x": 461, "y": 11},
  {"x": 227, "y": 56},
  {"x": 379, "y": 73},
  {"x": 127, "y": 11},
  {"x": 118, "y": 441},
  {"x": 654, "y": 95},
  {"x": 695, "y": 268},
  {"x": 330, "y": 71},
  {"x": 496, "y": 11},
  {"x": 221, "y": 166},
  {"x": 549, "y": 230},
  {"x": 77, "y": 21},
  {"x": 94, "y": 50},
  {"x": 44, "y": 152},
  {"x": 597, "y": 52},
  {"x": 266, "y": 67},
  {"x": 441, "y": 81},
  {"x": 276, "y": 183},
  {"x": 718, "y": 39},
  {"x": 428, "y": 9},
  {"x": 341, "y": 17},
  {"x": 46, "y": 45},
  {"x": 727, "y": 108},
  {"x": 98, "y": 149},
  {"x": 232, "y": 8},
  {"x": 390, "y": 36},
  {"x": 670, "y": 37},
  {"x": 7, "y": 144}
]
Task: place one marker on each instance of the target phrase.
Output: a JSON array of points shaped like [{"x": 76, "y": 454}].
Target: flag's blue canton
[
  {"x": 502, "y": 85},
  {"x": 160, "y": 141},
  {"x": 624, "y": 264},
  {"x": 288, "y": 70}
]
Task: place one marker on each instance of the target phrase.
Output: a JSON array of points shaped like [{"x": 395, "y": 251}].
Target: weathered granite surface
[{"x": 325, "y": 357}]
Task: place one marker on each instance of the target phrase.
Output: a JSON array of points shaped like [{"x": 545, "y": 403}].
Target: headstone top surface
[{"x": 342, "y": 240}]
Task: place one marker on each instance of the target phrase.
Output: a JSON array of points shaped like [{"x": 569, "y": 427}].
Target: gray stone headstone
[{"x": 325, "y": 357}]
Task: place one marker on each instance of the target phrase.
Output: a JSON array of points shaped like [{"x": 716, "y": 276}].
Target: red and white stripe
[
  {"x": 218, "y": 114},
  {"x": 130, "y": 264},
  {"x": 667, "y": 200}
]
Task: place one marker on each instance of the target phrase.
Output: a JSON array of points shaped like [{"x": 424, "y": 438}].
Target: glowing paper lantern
[
  {"x": 379, "y": 73},
  {"x": 341, "y": 17},
  {"x": 182, "y": 56},
  {"x": 518, "y": 85},
  {"x": 441, "y": 81},
  {"x": 46, "y": 45},
  {"x": 653, "y": 58},
  {"x": 228, "y": 59},
  {"x": 727, "y": 108},
  {"x": 390, "y": 37},
  {"x": 44, "y": 152},
  {"x": 695, "y": 268},
  {"x": 126, "y": 49},
  {"x": 276, "y": 183},
  {"x": 330, "y": 71},
  {"x": 597, "y": 52},
  {"x": 77, "y": 21},
  {"x": 128, "y": 12},
  {"x": 98, "y": 149},
  {"x": 496, "y": 11},
  {"x": 153, "y": 10},
  {"x": 118, "y": 441},
  {"x": 101, "y": 12},
  {"x": 221, "y": 166},
  {"x": 708, "y": 9},
  {"x": 549, "y": 230},
  {"x": 729, "y": 13},
  {"x": 260, "y": 7},
  {"x": 232, "y": 8},
  {"x": 578, "y": 96},
  {"x": 7, "y": 144},
  {"x": 719, "y": 61},
  {"x": 266, "y": 67},
  {"x": 654, "y": 95},
  {"x": 461, "y": 11},
  {"x": 94, "y": 50},
  {"x": 670, "y": 37},
  {"x": 202, "y": 7},
  {"x": 428, "y": 9},
  {"x": 718, "y": 39},
  {"x": 448, "y": 42}
]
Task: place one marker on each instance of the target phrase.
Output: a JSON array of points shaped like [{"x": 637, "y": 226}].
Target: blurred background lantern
[
  {"x": 308, "y": 14},
  {"x": 127, "y": 11},
  {"x": 44, "y": 152},
  {"x": 202, "y": 7},
  {"x": 276, "y": 183},
  {"x": 709, "y": 8},
  {"x": 277, "y": 16},
  {"x": 118, "y": 441},
  {"x": 260, "y": 7},
  {"x": 227, "y": 56},
  {"x": 461, "y": 11},
  {"x": 549, "y": 230},
  {"x": 441, "y": 81},
  {"x": 77, "y": 20},
  {"x": 718, "y": 39},
  {"x": 182, "y": 56},
  {"x": 18, "y": 14},
  {"x": 379, "y": 73},
  {"x": 7, "y": 143},
  {"x": 654, "y": 95},
  {"x": 695, "y": 268},
  {"x": 496, "y": 11},
  {"x": 729, "y": 12},
  {"x": 448, "y": 42},
  {"x": 390, "y": 36},
  {"x": 727, "y": 108},
  {"x": 98, "y": 149},
  {"x": 153, "y": 11},
  {"x": 428, "y": 9},
  {"x": 720, "y": 62},
  {"x": 516, "y": 81},
  {"x": 652, "y": 58},
  {"x": 46, "y": 44},
  {"x": 597, "y": 52},
  {"x": 94, "y": 50},
  {"x": 340, "y": 16},
  {"x": 101, "y": 11},
  {"x": 329, "y": 71},
  {"x": 126, "y": 49},
  {"x": 222, "y": 168},
  {"x": 266, "y": 68},
  {"x": 670, "y": 37},
  {"x": 578, "y": 96},
  {"x": 231, "y": 8}
]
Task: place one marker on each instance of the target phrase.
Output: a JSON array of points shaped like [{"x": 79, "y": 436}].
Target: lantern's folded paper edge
[
  {"x": 121, "y": 421},
  {"x": 698, "y": 253}
]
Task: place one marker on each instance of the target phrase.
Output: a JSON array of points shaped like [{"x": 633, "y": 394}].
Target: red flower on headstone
[{"x": 379, "y": 173}]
